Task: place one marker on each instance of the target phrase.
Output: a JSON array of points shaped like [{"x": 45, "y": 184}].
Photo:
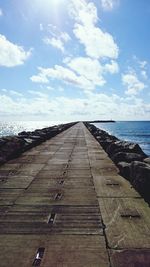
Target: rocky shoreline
[
  {"x": 132, "y": 162},
  {"x": 12, "y": 146}
]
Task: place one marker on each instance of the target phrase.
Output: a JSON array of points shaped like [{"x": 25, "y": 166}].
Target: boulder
[
  {"x": 2, "y": 142},
  {"x": 2, "y": 160},
  {"x": 140, "y": 178},
  {"x": 12, "y": 147},
  {"x": 124, "y": 146},
  {"x": 147, "y": 160},
  {"x": 40, "y": 133},
  {"x": 38, "y": 139},
  {"x": 105, "y": 143},
  {"x": 29, "y": 143},
  {"x": 25, "y": 134},
  {"x": 127, "y": 157},
  {"x": 124, "y": 169}
]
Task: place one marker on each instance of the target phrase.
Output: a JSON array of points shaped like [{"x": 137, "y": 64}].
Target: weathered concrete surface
[{"x": 63, "y": 204}]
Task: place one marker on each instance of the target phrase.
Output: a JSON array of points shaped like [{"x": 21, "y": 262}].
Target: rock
[
  {"x": 140, "y": 177},
  {"x": 39, "y": 133},
  {"x": 105, "y": 143},
  {"x": 38, "y": 139},
  {"x": 124, "y": 169},
  {"x": 24, "y": 134},
  {"x": 29, "y": 143},
  {"x": 2, "y": 160},
  {"x": 12, "y": 147},
  {"x": 132, "y": 162},
  {"x": 124, "y": 146},
  {"x": 147, "y": 160},
  {"x": 127, "y": 157},
  {"x": 2, "y": 142}
]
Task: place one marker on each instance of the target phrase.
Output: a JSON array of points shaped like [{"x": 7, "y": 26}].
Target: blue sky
[{"x": 69, "y": 60}]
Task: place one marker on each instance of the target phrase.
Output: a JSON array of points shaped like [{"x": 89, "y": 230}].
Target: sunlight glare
[{"x": 53, "y": 2}]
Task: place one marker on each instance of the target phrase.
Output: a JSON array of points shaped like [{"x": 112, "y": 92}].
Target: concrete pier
[{"x": 63, "y": 204}]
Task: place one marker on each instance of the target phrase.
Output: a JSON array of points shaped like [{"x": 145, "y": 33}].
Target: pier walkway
[{"x": 63, "y": 204}]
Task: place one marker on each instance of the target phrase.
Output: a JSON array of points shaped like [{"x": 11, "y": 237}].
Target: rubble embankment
[
  {"x": 12, "y": 146},
  {"x": 132, "y": 162}
]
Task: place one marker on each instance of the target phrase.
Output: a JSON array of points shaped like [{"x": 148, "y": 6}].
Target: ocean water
[
  {"x": 12, "y": 128},
  {"x": 134, "y": 131}
]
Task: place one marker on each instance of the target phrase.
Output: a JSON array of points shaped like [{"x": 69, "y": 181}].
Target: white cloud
[
  {"x": 63, "y": 74},
  {"x": 65, "y": 36},
  {"x": 57, "y": 43},
  {"x": 40, "y": 78},
  {"x": 38, "y": 94},
  {"x": 83, "y": 72},
  {"x": 56, "y": 38},
  {"x": 4, "y": 90},
  {"x": 109, "y": 4},
  {"x": 104, "y": 107},
  {"x": 134, "y": 85},
  {"x": 112, "y": 67},
  {"x": 88, "y": 71},
  {"x": 97, "y": 43},
  {"x": 141, "y": 67},
  {"x": 15, "y": 93},
  {"x": 144, "y": 74},
  {"x": 1, "y": 12},
  {"x": 11, "y": 54},
  {"x": 60, "y": 89},
  {"x": 83, "y": 12},
  {"x": 143, "y": 64},
  {"x": 89, "y": 68},
  {"x": 50, "y": 88}
]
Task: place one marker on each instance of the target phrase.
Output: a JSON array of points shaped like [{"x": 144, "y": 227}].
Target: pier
[{"x": 63, "y": 204}]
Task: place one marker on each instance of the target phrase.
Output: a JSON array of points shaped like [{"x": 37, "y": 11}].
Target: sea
[
  {"x": 15, "y": 127},
  {"x": 134, "y": 131}
]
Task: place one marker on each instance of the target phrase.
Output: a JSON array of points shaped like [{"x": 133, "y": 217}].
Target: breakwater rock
[
  {"x": 13, "y": 146},
  {"x": 132, "y": 162}
]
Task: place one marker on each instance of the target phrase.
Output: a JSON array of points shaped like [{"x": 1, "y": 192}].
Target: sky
[{"x": 74, "y": 60}]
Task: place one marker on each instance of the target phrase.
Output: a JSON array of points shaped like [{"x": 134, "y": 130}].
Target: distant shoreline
[{"x": 101, "y": 121}]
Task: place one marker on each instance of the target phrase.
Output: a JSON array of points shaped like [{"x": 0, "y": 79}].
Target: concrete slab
[
  {"x": 19, "y": 181},
  {"x": 127, "y": 222},
  {"x": 59, "y": 251},
  {"x": 130, "y": 258},
  {"x": 114, "y": 186}
]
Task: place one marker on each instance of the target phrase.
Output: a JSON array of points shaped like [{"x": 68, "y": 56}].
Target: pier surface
[{"x": 63, "y": 204}]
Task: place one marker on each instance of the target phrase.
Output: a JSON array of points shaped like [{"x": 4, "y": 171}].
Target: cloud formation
[
  {"x": 66, "y": 75},
  {"x": 89, "y": 68},
  {"x": 11, "y": 54},
  {"x": 104, "y": 106},
  {"x": 108, "y": 5},
  {"x": 97, "y": 43},
  {"x": 88, "y": 71},
  {"x": 133, "y": 84},
  {"x": 56, "y": 38}
]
